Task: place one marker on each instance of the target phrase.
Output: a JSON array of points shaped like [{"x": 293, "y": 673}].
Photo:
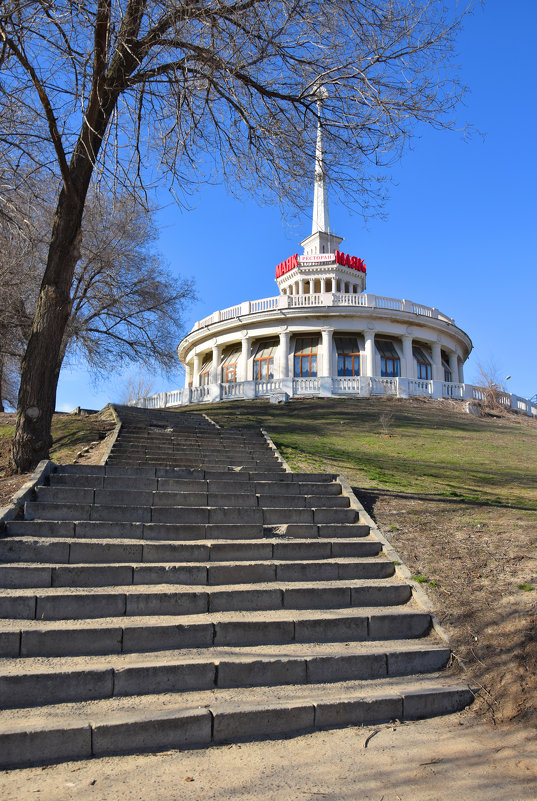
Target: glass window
[
  {"x": 348, "y": 356},
  {"x": 229, "y": 366},
  {"x": 264, "y": 360},
  {"x": 390, "y": 364},
  {"x": 306, "y": 357},
  {"x": 205, "y": 370},
  {"x": 425, "y": 370}
]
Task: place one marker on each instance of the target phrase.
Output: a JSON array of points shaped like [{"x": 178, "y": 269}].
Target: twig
[{"x": 370, "y": 737}]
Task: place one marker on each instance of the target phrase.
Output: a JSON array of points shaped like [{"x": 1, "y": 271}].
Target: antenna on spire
[{"x": 321, "y": 218}]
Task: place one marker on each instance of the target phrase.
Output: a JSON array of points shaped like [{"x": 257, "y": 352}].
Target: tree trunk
[
  {"x": 2, "y": 409},
  {"x": 40, "y": 365}
]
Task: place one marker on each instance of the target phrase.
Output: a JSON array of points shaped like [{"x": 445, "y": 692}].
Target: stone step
[
  {"x": 120, "y": 635},
  {"x": 90, "y": 529},
  {"x": 52, "y": 680},
  {"x": 243, "y": 495},
  {"x": 161, "y": 722},
  {"x": 188, "y": 473},
  {"x": 133, "y": 565},
  {"x": 35, "y": 510},
  {"x": 58, "y": 481},
  {"x": 74, "y": 603}
]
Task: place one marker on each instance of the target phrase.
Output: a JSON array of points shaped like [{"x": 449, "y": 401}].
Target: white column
[
  {"x": 461, "y": 372},
  {"x": 326, "y": 352},
  {"x": 214, "y": 377},
  {"x": 245, "y": 353},
  {"x": 369, "y": 353},
  {"x": 323, "y": 285},
  {"x": 188, "y": 374},
  {"x": 454, "y": 366},
  {"x": 196, "y": 370},
  {"x": 408, "y": 356},
  {"x": 312, "y": 284},
  {"x": 284, "y": 354},
  {"x": 301, "y": 286},
  {"x": 438, "y": 373}
]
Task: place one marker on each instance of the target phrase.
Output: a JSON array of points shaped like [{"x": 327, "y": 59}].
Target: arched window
[
  {"x": 390, "y": 364},
  {"x": 229, "y": 366},
  {"x": 306, "y": 357},
  {"x": 425, "y": 370},
  {"x": 348, "y": 356},
  {"x": 264, "y": 360}
]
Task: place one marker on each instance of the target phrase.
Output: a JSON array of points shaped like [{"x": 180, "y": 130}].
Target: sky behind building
[{"x": 460, "y": 232}]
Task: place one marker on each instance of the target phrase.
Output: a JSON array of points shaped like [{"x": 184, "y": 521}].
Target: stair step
[
  {"x": 161, "y": 722},
  {"x": 52, "y": 680},
  {"x": 64, "y": 603},
  {"x": 120, "y": 635},
  {"x": 106, "y": 568}
]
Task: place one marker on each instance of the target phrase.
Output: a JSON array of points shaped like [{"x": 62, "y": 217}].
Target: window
[
  {"x": 306, "y": 357},
  {"x": 448, "y": 375},
  {"x": 264, "y": 360},
  {"x": 348, "y": 356},
  {"x": 425, "y": 370},
  {"x": 229, "y": 366},
  {"x": 205, "y": 370},
  {"x": 390, "y": 365}
]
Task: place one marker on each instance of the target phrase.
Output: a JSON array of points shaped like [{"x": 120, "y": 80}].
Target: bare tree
[
  {"x": 125, "y": 307},
  {"x": 136, "y": 386},
  {"x": 493, "y": 386},
  {"x": 216, "y": 89}
]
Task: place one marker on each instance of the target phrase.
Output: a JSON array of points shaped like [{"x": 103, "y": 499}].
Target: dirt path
[{"x": 455, "y": 758}]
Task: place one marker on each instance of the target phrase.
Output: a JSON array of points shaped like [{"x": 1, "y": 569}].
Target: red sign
[
  {"x": 350, "y": 261},
  {"x": 341, "y": 258},
  {"x": 285, "y": 266}
]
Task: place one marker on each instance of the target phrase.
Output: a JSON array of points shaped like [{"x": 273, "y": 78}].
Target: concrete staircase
[{"x": 191, "y": 591}]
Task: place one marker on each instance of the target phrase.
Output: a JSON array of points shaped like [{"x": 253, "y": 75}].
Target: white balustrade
[
  {"x": 306, "y": 386},
  {"x": 418, "y": 387},
  {"x": 267, "y": 387},
  {"x": 388, "y": 303},
  {"x": 383, "y": 386},
  {"x": 339, "y": 385},
  {"x": 450, "y": 390},
  {"x": 346, "y": 384},
  {"x": 319, "y": 299}
]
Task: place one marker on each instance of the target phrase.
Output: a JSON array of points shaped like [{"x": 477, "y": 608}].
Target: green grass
[{"x": 434, "y": 448}]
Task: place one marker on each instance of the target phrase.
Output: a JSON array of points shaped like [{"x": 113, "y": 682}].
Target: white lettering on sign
[{"x": 318, "y": 258}]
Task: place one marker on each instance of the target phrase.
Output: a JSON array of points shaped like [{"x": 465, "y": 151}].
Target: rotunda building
[{"x": 323, "y": 334}]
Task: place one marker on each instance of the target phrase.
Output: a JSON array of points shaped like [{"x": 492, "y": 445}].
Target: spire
[{"x": 321, "y": 219}]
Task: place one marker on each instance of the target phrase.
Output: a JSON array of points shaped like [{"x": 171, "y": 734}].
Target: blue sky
[{"x": 460, "y": 233}]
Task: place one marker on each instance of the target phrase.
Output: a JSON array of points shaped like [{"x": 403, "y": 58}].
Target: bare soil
[
  {"x": 477, "y": 564},
  {"x": 454, "y": 758}
]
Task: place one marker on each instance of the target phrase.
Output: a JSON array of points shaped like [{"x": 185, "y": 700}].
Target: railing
[
  {"x": 364, "y": 386},
  {"x": 346, "y": 384},
  {"x": 233, "y": 390},
  {"x": 305, "y": 386},
  {"x": 383, "y": 386},
  {"x": 320, "y": 299},
  {"x": 417, "y": 386}
]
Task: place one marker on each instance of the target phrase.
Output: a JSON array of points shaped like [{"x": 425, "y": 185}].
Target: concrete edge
[
  {"x": 13, "y": 510},
  {"x": 277, "y": 453},
  {"x": 401, "y": 569},
  {"x": 210, "y": 420},
  {"x": 115, "y": 433}
]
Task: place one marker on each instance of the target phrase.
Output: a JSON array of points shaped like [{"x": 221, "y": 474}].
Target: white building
[{"x": 324, "y": 335}]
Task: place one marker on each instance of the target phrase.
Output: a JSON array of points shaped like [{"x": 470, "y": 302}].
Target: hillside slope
[{"x": 457, "y": 496}]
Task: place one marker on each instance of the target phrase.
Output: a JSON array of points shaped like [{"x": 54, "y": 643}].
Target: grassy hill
[
  {"x": 418, "y": 446},
  {"x": 457, "y": 497}
]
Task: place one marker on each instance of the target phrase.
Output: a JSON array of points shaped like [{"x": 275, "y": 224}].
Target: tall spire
[{"x": 321, "y": 219}]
